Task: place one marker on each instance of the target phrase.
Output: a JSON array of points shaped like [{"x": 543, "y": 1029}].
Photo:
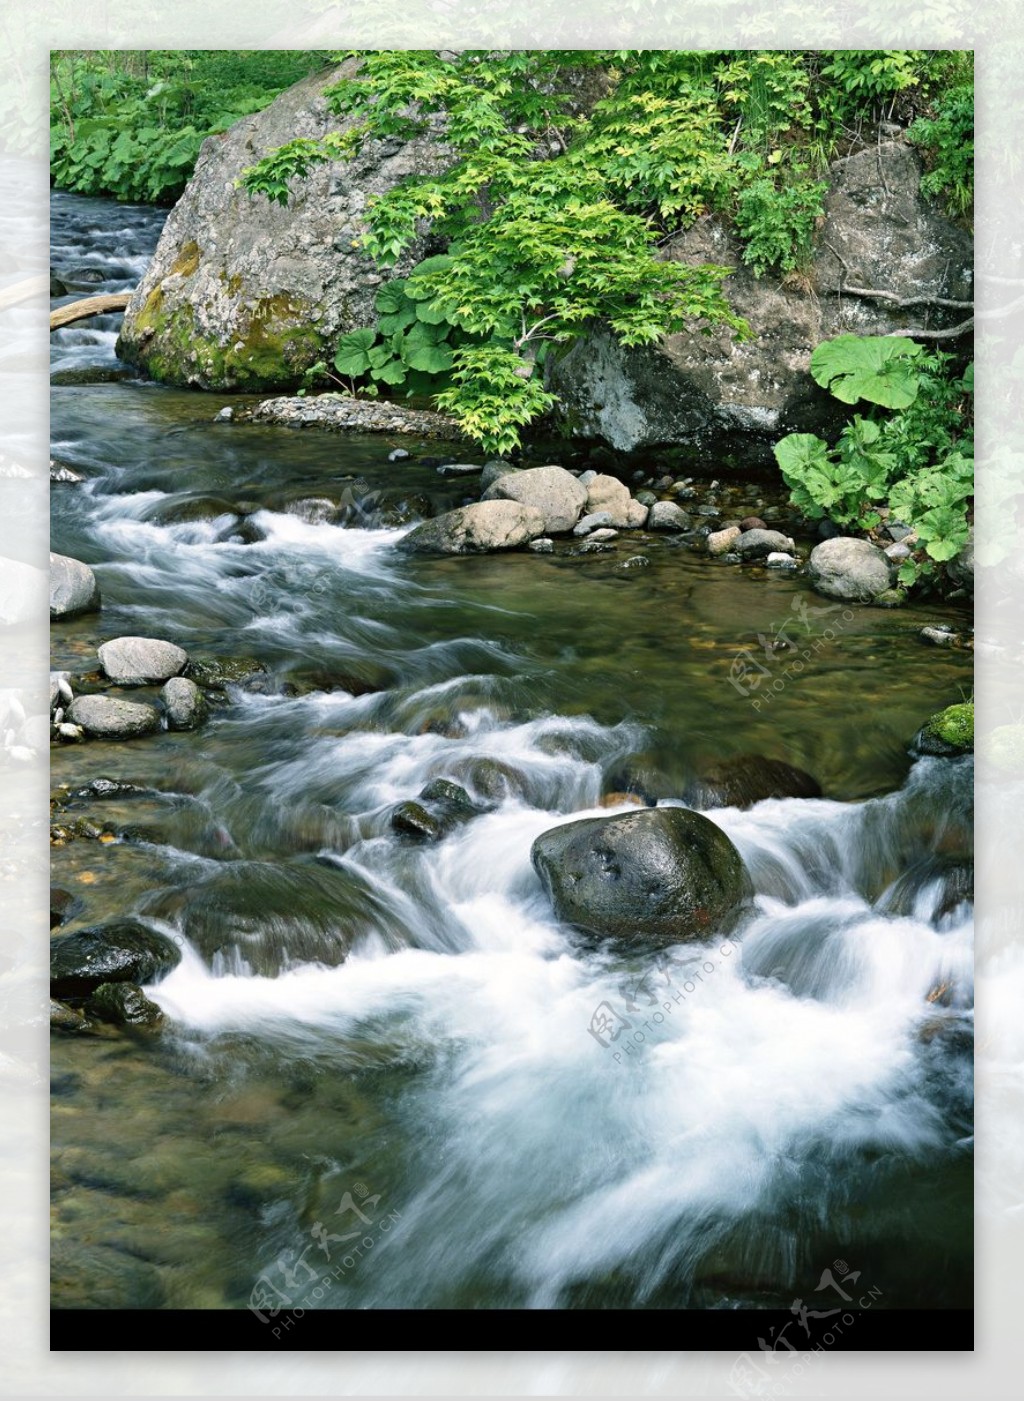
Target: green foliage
[
  {"x": 946, "y": 138},
  {"x": 130, "y": 124},
  {"x": 568, "y": 168},
  {"x": 494, "y": 394},
  {"x": 879, "y": 369},
  {"x": 919, "y": 461},
  {"x": 777, "y": 224}
]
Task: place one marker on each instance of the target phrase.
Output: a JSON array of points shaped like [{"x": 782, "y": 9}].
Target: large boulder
[
  {"x": 658, "y": 875},
  {"x": 607, "y": 495},
  {"x": 105, "y": 717},
  {"x": 849, "y": 569},
  {"x": 243, "y": 294},
  {"x": 748, "y": 779},
  {"x": 123, "y": 951},
  {"x": 714, "y": 393},
  {"x": 476, "y": 529},
  {"x": 134, "y": 661},
  {"x": 73, "y": 587},
  {"x": 552, "y": 491}
]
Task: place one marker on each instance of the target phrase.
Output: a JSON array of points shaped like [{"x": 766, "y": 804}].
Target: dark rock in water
[
  {"x": 110, "y": 788},
  {"x": 57, "y": 287},
  {"x": 124, "y": 1004},
  {"x": 193, "y": 508},
  {"x": 948, "y": 733},
  {"x": 398, "y": 510},
  {"x": 440, "y": 807},
  {"x": 61, "y": 902},
  {"x": 413, "y": 820},
  {"x": 62, "y": 472},
  {"x": 243, "y": 532},
  {"x": 65, "y": 1018},
  {"x": 460, "y": 469},
  {"x": 749, "y": 779},
  {"x": 493, "y": 780},
  {"x": 93, "y": 374},
  {"x": 946, "y": 881},
  {"x": 272, "y": 915},
  {"x": 658, "y": 876},
  {"x": 73, "y": 587},
  {"x": 217, "y": 673},
  {"x": 358, "y": 676},
  {"x": 752, "y": 523},
  {"x": 123, "y": 951}
]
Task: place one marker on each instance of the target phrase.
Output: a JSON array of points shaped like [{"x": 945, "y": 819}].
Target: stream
[{"x": 383, "y": 1052}]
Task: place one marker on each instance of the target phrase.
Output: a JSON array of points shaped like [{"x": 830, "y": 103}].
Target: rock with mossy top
[{"x": 947, "y": 733}]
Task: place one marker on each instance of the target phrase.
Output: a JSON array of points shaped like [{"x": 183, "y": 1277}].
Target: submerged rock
[
  {"x": 123, "y": 951},
  {"x": 134, "y": 661},
  {"x": 849, "y": 569},
  {"x": 749, "y": 779},
  {"x": 658, "y": 875},
  {"x": 552, "y": 491},
  {"x": 103, "y": 717},
  {"x": 73, "y": 587},
  {"x": 441, "y": 807},
  {"x": 759, "y": 544},
  {"x": 476, "y": 529}
]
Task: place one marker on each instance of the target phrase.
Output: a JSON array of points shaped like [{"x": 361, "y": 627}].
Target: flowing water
[{"x": 371, "y": 1036}]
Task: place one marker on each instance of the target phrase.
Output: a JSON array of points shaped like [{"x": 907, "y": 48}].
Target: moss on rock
[{"x": 950, "y": 731}]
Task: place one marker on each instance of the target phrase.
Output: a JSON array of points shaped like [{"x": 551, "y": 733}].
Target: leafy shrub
[
  {"x": 947, "y": 139},
  {"x": 919, "y": 461}
]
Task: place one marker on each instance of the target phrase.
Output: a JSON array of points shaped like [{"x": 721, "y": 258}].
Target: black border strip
[{"x": 318, "y": 1330}]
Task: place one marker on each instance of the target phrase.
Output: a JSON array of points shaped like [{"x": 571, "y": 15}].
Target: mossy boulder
[
  {"x": 949, "y": 732},
  {"x": 246, "y": 295}
]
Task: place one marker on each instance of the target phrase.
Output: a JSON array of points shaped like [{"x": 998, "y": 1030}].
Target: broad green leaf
[
  {"x": 430, "y": 314},
  {"x": 391, "y": 297},
  {"x": 391, "y": 372},
  {"x": 875, "y": 368},
  {"x": 432, "y": 359},
  {"x": 352, "y": 357},
  {"x": 397, "y": 320}
]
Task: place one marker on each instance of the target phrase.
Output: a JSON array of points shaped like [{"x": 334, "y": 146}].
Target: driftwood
[{"x": 88, "y": 306}]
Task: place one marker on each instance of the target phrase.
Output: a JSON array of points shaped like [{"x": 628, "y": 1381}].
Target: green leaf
[
  {"x": 876, "y": 368},
  {"x": 397, "y": 320},
  {"x": 431, "y": 359},
  {"x": 391, "y": 297},
  {"x": 390, "y": 372},
  {"x": 352, "y": 355},
  {"x": 431, "y": 315}
]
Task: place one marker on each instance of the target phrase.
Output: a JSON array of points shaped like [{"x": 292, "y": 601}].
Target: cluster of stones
[{"x": 128, "y": 661}]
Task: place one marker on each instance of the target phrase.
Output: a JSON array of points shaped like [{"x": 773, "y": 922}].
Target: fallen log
[{"x": 88, "y": 306}]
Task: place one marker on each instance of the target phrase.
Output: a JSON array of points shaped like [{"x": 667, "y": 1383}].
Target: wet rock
[
  {"x": 603, "y": 535},
  {"x": 752, "y": 523},
  {"x": 267, "y": 916},
  {"x": 779, "y": 559},
  {"x": 759, "y": 544},
  {"x": 594, "y": 521},
  {"x": 849, "y": 569},
  {"x": 61, "y": 693},
  {"x": 594, "y": 547},
  {"x": 110, "y": 788},
  {"x": 103, "y": 717},
  {"x": 646, "y": 498},
  {"x": 441, "y": 806},
  {"x": 949, "y": 732},
  {"x": 551, "y": 491},
  {"x": 134, "y": 661},
  {"x": 479, "y": 528},
  {"x": 891, "y": 598},
  {"x": 543, "y": 546},
  {"x": 659, "y": 876},
  {"x": 492, "y": 471},
  {"x": 61, "y": 902},
  {"x": 666, "y": 515},
  {"x": 73, "y": 587},
  {"x": 635, "y": 562},
  {"x": 192, "y": 509},
  {"x": 123, "y": 1004},
  {"x": 721, "y": 542},
  {"x": 65, "y": 1018},
  {"x": 492, "y": 780},
  {"x": 898, "y": 553},
  {"x": 398, "y": 455},
  {"x": 70, "y": 734},
  {"x": 184, "y": 704},
  {"x": 942, "y": 883},
  {"x": 61, "y": 472},
  {"x": 217, "y": 673},
  {"x": 394, "y": 511},
  {"x": 941, "y": 636},
  {"x": 748, "y": 779},
  {"x": 123, "y": 951},
  {"x": 460, "y": 469},
  {"x": 961, "y": 569}
]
